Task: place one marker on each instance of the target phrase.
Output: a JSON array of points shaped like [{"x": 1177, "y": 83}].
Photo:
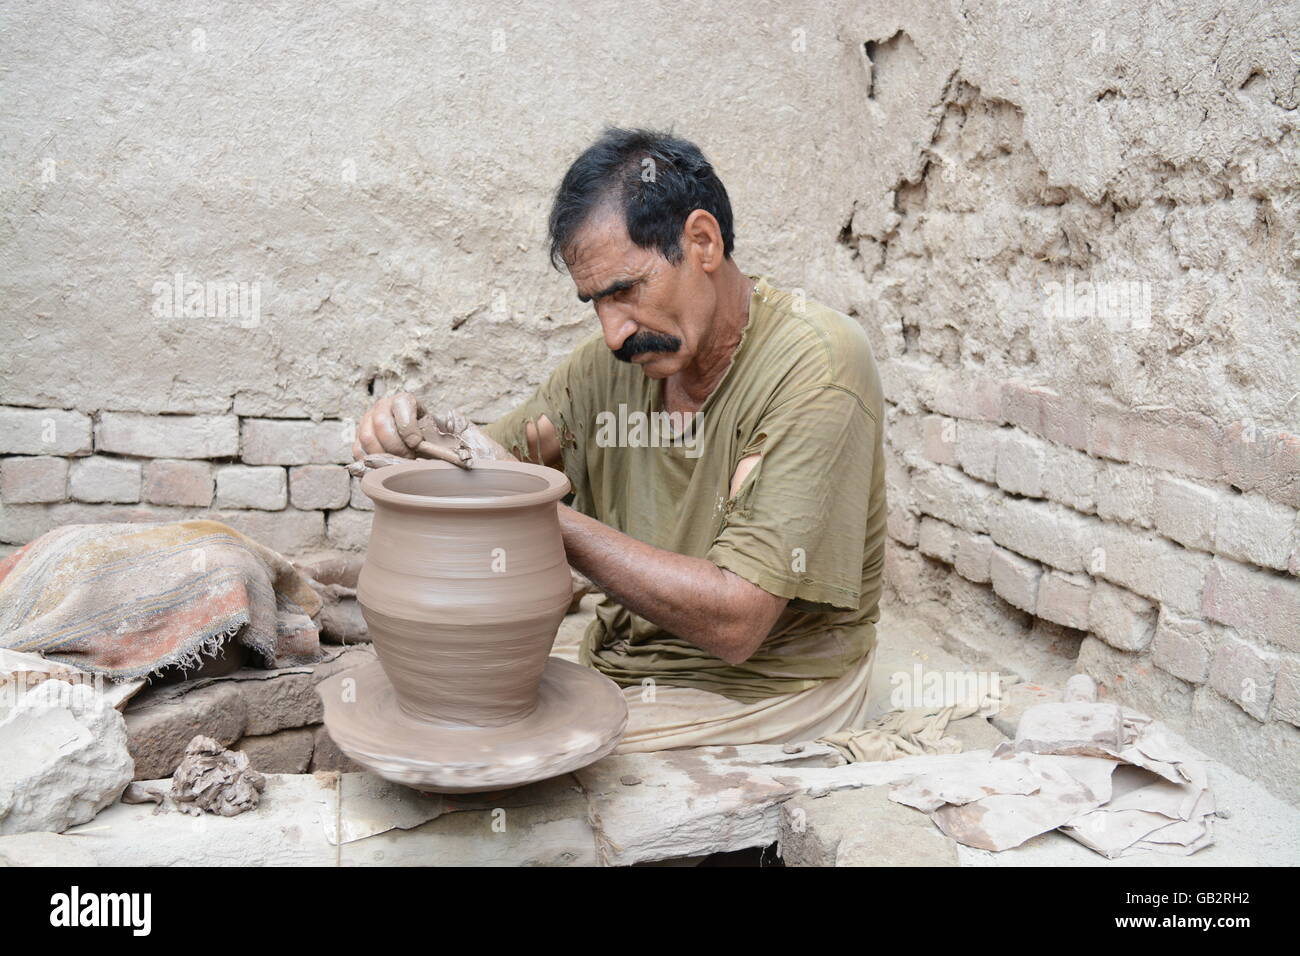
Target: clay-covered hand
[{"x": 398, "y": 426}]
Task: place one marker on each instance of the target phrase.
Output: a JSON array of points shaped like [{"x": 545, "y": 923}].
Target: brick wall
[
  {"x": 282, "y": 481},
  {"x": 1161, "y": 550}
]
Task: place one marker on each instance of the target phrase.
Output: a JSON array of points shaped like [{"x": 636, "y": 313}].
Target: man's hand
[{"x": 399, "y": 427}]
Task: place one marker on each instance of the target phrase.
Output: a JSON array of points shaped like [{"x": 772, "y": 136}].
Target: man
[{"x": 723, "y": 439}]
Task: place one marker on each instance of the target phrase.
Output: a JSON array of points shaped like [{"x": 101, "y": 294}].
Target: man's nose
[{"x": 616, "y": 325}]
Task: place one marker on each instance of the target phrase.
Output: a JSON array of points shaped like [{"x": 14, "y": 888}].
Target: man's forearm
[{"x": 692, "y": 598}]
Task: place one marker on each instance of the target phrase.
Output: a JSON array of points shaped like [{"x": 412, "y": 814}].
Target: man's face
[{"x": 653, "y": 313}]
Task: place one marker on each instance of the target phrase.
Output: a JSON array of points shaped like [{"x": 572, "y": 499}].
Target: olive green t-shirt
[{"x": 808, "y": 523}]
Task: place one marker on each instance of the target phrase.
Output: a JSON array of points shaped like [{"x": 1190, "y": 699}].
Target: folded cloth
[
  {"x": 903, "y": 733},
  {"x": 126, "y": 600}
]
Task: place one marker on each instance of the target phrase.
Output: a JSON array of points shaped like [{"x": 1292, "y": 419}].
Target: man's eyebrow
[{"x": 612, "y": 289}]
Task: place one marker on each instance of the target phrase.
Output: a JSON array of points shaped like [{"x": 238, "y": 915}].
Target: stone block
[
  {"x": 861, "y": 827},
  {"x": 178, "y": 482},
  {"x": 101, "y": 479},
  {"x": 1184, "y": 646},
  {"x": 1015, "y": 579},
  {"x": 245, "y": 486},
  {"x": 43, "y": 431},
  {"x": 267, "y": 441},
  {"x": 286, "y": 751},
  {"x": 33, "y": 480},
  {"x": 168, "y": 436},
  {"x": 320, "y": 487},
  {"x": 1120, "y": 618},
  {"x": 1185, "y": 511},
  {"x": 1064, "y": 598},
  {"x": 1258, "y": 604},
  {"x": 1244, "y": 674},
  {"x": 349, "y": 530}
]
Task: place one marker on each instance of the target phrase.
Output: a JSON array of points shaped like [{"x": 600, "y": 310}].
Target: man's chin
[{"x": 654, "y": 364}]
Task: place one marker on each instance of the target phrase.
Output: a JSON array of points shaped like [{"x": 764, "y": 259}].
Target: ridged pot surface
[{"x": 464, "y": 585}]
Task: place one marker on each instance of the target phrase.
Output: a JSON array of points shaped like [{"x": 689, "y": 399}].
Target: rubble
[{"x": 65, "y": 758}]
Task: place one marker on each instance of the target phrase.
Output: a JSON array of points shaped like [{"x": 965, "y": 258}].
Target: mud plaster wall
[{"x": 1120, "y": 492}]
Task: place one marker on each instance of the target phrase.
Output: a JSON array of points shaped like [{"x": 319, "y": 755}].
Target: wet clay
[{"x": 464, "y": 585}]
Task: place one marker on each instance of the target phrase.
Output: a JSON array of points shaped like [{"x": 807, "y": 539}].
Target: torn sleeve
[{"x": 797, "y": 526}]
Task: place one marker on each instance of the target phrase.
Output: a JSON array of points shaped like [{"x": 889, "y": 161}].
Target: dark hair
[{"x": 656, "y": 179}]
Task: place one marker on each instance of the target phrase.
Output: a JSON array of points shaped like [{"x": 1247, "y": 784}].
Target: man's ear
[{"x": 702, "y": 238}]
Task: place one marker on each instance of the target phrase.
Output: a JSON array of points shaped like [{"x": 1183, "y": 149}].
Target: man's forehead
[{"x": 604, "y": 260}]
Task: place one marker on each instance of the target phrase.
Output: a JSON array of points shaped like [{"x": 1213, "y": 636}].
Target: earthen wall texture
[{"x": 1070, "y": 231}]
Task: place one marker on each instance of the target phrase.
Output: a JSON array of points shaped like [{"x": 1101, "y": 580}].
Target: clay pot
[{"x": 464, "y": 586}]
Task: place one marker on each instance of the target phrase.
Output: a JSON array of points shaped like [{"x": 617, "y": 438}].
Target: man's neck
[{"x": 695, "y": 383}]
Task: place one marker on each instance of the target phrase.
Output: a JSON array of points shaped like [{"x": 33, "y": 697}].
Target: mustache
[{"x": 646, "y": 341}]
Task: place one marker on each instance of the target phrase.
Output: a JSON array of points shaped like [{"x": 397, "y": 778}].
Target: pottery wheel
[{"x": 580, "y": 717}]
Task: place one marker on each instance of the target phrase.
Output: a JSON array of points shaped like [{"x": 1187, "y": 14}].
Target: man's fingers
[
  {"x": 450, "y": 421},
  {"x": 366, "y": 437},
  {"x": 381, "y": 420},
  {"x": 406, "y": 411}
]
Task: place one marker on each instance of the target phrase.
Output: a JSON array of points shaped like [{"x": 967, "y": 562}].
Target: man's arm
[{"x": 716, "y": 610}]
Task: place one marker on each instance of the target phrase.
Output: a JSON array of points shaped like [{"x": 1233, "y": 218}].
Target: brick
[
  {"x": 974, "y": 552},
  {"x": 285, "y": 751},
  {"x": 1126, "y": 493},
  {"x": 1070, "y": 477},
  {"x": 977, "y": 449},
  {"x": 1133, "y": 680},
  {"x": 946, "y": 493},
  {"x": 939, "y": 439},
  {"x": 1064, "y": 598},
  {"x": 43, "y": 431},
  {"x": 1185, "y": 511},
  {"x": 1046, "y": 413},
  {"x": 1184, "y": 646},
  {"x": 178, "y": 482},
  {"x": 1286, "y": 691},
  {"x": 1151, "y": 565},
  {"x": 1020, "y": 464},
  {"x": 168, "y": 436},
  {"x": 1264, "y": 462},
  {"x": 247, "y": 486},
  {"x": 937, "y": 539},
  {"x": 159, "y": 731},
  {"x": 1044, "y": 531},
  {"x": 900, "y": 524},
  {"x": 1254, "y": 530},
  {"x": 968, "y": 397},
  {"x": 319, "y": 486},
  {"x": 105, "y": 479},
  {"x": 1259, "y": 604},
  {"x": 31, "y": 480},
  {"x": 1120, "y": 618},
  {"x": 361, "y": 501},
  {"x": 1244, "y": 674},
  {"x": 1185, "y": 443},
  {"x": 289, "y": 532},
  {"x": 1015, "y": 579},
  {"x": 268, "y": 441},
  {"x": 349, "y": 530}
]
